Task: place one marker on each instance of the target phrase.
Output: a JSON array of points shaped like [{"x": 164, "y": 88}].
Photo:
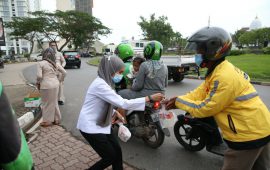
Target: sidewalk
[
  {"x": 12, "y": 73},
  {"x": 56, "y": 149}
]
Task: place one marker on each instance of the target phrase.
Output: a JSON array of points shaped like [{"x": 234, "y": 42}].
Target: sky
[{"x": 185, "y": 16}]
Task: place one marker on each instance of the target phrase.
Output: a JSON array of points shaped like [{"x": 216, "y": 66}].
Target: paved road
[{"x": 170, "y": 155}]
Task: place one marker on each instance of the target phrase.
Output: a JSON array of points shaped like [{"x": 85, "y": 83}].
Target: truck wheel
[{"x": 178, "y": 78}]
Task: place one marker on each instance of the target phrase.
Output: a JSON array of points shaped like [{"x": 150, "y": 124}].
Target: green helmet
[
  {"x": 153, "y": 50},
  {"x": 124, "y": 51}
]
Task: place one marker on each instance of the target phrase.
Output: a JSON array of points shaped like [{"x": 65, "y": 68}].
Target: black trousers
[
  {"x": 216, "y": 138},
  {"x": 108, "y": 148}
]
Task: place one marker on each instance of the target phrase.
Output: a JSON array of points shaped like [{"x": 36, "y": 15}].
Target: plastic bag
[
  {"x": 123, "y": 133},
  {"x": 167, "y": 118}
]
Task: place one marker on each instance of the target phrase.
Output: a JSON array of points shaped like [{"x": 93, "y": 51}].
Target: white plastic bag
[
  {"x": 123, "y": 133},
  {"x": 167, "y": 118}
]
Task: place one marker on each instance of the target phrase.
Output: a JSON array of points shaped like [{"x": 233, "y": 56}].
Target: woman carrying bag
[{"x": 95, "y": 117}]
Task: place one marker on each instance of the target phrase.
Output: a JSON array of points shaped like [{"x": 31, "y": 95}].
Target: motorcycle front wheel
[
  {"x": 189, "y": 137},
  {"x": 157, "y": 138}
]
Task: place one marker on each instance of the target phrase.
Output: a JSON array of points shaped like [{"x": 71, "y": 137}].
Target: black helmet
[{"x": 215, "y": 43}]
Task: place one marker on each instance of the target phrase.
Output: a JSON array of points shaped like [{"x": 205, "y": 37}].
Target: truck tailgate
[{"x": 178, "y": 61}]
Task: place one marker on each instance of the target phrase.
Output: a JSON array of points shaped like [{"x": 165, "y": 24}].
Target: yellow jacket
[{"x": 228, "y": 96}]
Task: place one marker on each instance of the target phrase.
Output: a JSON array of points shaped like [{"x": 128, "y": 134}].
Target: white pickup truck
[{"x": 179, "y": 66}]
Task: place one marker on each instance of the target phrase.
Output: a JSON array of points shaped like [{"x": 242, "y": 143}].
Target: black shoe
[
  {"x": 217, "y": 149},
  {"x": 60, "y": 102}
]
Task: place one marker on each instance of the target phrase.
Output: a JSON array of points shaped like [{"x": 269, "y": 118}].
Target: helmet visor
[{"x": 196, "y": 47}]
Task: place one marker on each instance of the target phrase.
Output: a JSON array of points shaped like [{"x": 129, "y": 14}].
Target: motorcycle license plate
[{"x": 155, "y": 117}]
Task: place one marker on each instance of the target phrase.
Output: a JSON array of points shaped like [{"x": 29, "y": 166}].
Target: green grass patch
[
  {"x": 94, "y": 61},
  {"x": 257, "y": 66}
]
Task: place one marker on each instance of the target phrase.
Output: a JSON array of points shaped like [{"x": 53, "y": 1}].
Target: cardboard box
[{"x": 33, "y": 99}]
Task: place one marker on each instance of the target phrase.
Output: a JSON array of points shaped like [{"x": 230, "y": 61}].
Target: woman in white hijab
[{"x": 95, "y": 117}]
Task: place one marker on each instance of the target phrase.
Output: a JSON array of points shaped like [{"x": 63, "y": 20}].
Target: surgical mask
[
  {"x": 198, "y": 59},
  {"x": 117, "y": 78}
]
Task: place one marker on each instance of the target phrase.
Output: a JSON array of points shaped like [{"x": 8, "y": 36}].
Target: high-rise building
[
  {"x": 78, "y": 5},
  {"x": 65, "y": 5},
  {"x": 34, "y": 5},
  {"x": 84, "y": 6},
  {"x": 9, "y": 9}
]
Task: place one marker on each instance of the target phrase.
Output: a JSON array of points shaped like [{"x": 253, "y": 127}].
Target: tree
[
  {"x": 258, "y": 37},
  {"x": 157, "y": 29},
  {"x": 248, "y": 38},
  {"x": 263, "y": 36},
  {"x": 25, "y": 28},
  {"x": 236, "y": 36},
  {"x": 74, "y": 27}
]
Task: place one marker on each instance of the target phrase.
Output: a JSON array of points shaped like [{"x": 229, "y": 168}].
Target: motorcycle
[
  {"x": 146, "y": 125},
  {"x": 194, "y": 134}
]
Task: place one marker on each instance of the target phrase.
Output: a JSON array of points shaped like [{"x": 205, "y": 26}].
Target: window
[
  {"x": 137, "y": 44},
  {"x": 141, "y": 44},
  {"x": 24, "y": 43},
  {"x": 21, "y": 14},
  {"x": 20, "y": 3},
  {"x": 6, "y": 13},
  {"x": 6, "y": 18}
]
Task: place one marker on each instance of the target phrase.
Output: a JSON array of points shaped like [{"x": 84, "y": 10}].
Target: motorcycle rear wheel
[
  {"x": 158, "y": 137},
  {"x": 191, "y": 138}
]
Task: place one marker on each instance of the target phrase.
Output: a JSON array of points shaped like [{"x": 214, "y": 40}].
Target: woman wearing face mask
[{"x": 95, "y": 117}]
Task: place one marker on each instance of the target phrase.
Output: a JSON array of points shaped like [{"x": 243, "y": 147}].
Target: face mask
[
  {"x": 198, "y": 59},
  {"x": 117, "y": 78}
]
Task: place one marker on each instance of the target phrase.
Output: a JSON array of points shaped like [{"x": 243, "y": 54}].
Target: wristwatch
[{"x": 150, "y": 99}]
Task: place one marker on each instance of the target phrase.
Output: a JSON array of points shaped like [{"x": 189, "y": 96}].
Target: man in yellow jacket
[{"x": 228, "y": 97}]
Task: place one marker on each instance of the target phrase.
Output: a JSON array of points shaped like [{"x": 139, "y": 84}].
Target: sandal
[{"x": 45, "y": 124}]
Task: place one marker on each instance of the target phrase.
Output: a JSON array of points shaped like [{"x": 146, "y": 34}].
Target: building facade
[
  {"x": 78, "y": 5},
  {"x": 16, "y": 8},
  {"x": 84, "y": 6},
  {"x": 34, "y": 5},
  {"x": 65, "y": 5}
]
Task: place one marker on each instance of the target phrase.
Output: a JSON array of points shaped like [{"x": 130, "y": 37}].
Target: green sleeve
[{"x": 15, "y": 154}]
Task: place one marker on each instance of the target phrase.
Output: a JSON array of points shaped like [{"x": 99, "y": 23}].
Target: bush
[
  {"x": 26, "y": 55},
  {"x": 266, "y": 50},
  {"x": 237, "y": 52},
  {"x": 246, "y": 51},
  {"x": 255, "y": 51}
]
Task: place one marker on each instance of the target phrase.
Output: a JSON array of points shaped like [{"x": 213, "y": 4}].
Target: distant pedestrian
[
  {"x": 96, "y": 114},
  {"x": 59, "y": 58},
  {"x": 48, "y": 84}
]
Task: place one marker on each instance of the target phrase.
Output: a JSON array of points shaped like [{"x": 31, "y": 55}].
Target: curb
[{"x": 252, "y": 82}]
